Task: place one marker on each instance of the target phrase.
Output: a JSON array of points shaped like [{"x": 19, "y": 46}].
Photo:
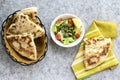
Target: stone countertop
[{"x": 57, "y": 63}]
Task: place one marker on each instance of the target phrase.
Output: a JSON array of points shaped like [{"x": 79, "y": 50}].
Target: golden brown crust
[
  {"x": 24, "y": 25},
  {"x": 96, "y": 51},
  {"x": 24, "y": 45}
]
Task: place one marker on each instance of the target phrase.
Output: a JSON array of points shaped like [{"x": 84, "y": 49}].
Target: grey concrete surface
[{"x": 57, "y": 63}]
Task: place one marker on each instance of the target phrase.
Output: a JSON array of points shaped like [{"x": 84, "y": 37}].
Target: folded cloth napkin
[{"x": 98, "y": 29}]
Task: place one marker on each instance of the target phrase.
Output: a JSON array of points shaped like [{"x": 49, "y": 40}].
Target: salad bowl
[{"x": 61, "y": 28}]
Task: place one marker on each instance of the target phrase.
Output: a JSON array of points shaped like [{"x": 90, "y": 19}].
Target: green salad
[{"x": 67, "y": 30}]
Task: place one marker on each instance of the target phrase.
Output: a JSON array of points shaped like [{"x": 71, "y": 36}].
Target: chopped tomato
[
  {"x": 77, "y": 35},
  {"x": 60, "y": 19},
  {"x": 70, "y": 21},
  {"x": 58, "y": 37}
]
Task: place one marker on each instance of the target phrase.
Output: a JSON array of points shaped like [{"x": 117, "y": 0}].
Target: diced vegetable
[
  {"x": 58, "y": 37},
  {"x": 54, "y": 29},
  {"x": 60, "y": 19},
  {"x": 70, "y": 21},
  {"x": 65, "y": 41},
  {"x": 59, "y": 24},
  {"x": 68, "y": 40},
  {"x": 74, "y": 37},
  {"x": 77, "y": 35}
]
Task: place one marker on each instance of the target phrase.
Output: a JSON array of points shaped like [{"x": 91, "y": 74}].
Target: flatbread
[
  {"x": 22, "y": 24},
  {"x": 96, "y": 51},
  {"x": 24, "y": 45},
  {"x": 31, "y": 11}
]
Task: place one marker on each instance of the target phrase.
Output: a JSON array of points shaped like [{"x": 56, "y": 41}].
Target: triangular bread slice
[
  {"x": 24, "y": 45},
  {"x": 31, "y": 11},
  {"x": 96, "y": 51},
  {"x": 24, "y": 25}
]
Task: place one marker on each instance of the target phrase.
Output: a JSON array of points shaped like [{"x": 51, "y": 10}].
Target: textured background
[{"x": 56, "y": 64}]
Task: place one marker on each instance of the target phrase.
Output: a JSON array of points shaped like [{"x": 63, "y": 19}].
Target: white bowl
[{"x": 65, "y": 16}]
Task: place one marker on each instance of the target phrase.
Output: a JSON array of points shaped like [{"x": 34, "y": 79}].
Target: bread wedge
[
  {"x": 22, "y": 24},
  {"x": 23, "y": 44},
  {"x": 96, "y": 51}
]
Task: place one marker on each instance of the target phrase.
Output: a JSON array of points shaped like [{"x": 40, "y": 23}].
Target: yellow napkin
[{"x": 99, "y": 29}]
